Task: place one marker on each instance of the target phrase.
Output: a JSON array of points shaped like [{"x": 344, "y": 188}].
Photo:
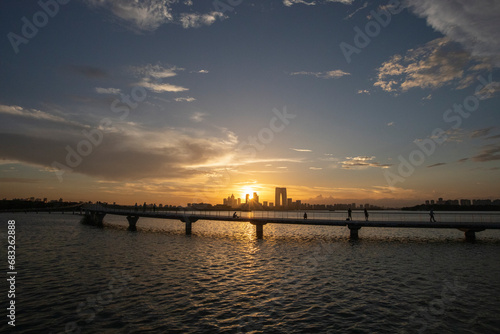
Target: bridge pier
[
  {"x": 189, "y": 224},
  {"x": 470, "y": 233},
  {"x": 98, "y": 218},
  {"x": 94, "y": 218},
  {"x": 259, "y": 229},
  {"x": 132, "y": 222},
  {"x": 353, "y": 231}
]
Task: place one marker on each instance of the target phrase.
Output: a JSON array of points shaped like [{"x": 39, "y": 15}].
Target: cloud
[
  {"x": 149, "y": 15},
  {"x": 488, "y": 153},
  {"x": 146, "y": 15},
  {"x": 364, "y": 91},
  {"x": 301, "y": 150},
  {"x": 481, "y": 132},
  {"x": 198, "y": 116},
  {"x": 34, "y": 114},
  {"x": 289, "y": 3},
  {"x": 88, "y": 71},
  {"x": 323, "y": 75},
  {"x": 315, "y": 168},
  {"x": 362, "y": 162},
  {"x": 194, "y": 20},
  {"x": 437, "y": 63},
  {"x": 129, "y": 152},
  {"x": 185, "y": 99},
  {"x": 156, "y": 71},
  {"x": 113, "y": 91},
  {"x": 390, "y": 124},
  {"x": 489, "y": 90},
  {"x": 160, "y": 87},
  {"x": 357, "y": 10},
  {"x": 473, "y": 24},
  {"x": 152, "y": 75},
  {"x": 437, "y": 164}
]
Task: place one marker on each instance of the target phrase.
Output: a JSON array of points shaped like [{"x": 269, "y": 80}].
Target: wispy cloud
[
  {"x": 152, "y": 75},
  {"x": 323, "y": 75},
  {"x": 146, "y": 15},
  {"x": 315, "y": 168},
  {"x": 488, "y": 153},
  {"x": 160, "y": 87},
  {"x": 129, "y": 152},
  {"x": 473, "y": 24},
  {"x": 289, "y": 3},
  {"x": 112, "y": 91},
  {"x": 439, "y": 62},
  {"x": 34, "y": 114},
  {"x": 301, "y": 150},
  {"x": 357, "y": 10},
  {"x": 362, "y": 162},
  {"x": 364, "y": 91},
  {"x": 481, "y": 132},
  {"x": 437, "y": 164},
  {"x": 390, "y": 124},
  {"x": 185, "y": 99},
  {"x": 195, "y": 20},
  {"x": 198, "y": 116}
]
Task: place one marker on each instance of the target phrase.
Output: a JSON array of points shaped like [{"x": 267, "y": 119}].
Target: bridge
[{"x": 95, "y": 213}]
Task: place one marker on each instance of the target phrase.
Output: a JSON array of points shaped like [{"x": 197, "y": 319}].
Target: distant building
[
  {"x": 255, "y": 198},
  {"x": 427, "y": 202},
  {"x": 465, "y": 202},
  {"x": 289, "y": 202},
  {"x": 265, "y": 204},
  {"x": 247, "y": 198},
  {"x": 280, "y": 197}
]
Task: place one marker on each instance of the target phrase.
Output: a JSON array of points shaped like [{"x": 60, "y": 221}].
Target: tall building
[
  {"x": 255, "y": 198},
  {"x": 247, "y": 198},
  {"x": 280, "y": 197}
]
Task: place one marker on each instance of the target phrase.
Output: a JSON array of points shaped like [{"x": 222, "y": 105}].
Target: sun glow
[{"x": 247, "y": 190}]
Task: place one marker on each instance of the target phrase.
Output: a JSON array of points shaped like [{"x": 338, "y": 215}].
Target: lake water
[{"x": 73, "y": 278}]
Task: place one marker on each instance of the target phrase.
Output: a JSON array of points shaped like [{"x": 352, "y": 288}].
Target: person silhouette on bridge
[
  {"x": 349, "y": 214},
  {"x": 305, "y": 215},
  {"x": 431, "y": 216},
  {"x": 235, "y": 215},
  {"x": 366, "y": 215}
]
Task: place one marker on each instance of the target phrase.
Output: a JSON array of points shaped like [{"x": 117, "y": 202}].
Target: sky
[{"x": 179, "y": 101}]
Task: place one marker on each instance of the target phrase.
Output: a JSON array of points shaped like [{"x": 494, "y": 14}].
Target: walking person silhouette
[{"x": 431, "y": 216}]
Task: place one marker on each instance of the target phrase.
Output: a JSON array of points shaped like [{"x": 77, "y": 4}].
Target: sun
[{"x": 247, "y": 190}]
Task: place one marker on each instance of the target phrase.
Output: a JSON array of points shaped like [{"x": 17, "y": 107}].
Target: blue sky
[{"x": 173, "y": 102}]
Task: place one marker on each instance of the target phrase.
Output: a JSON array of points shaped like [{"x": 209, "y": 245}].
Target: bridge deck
[{"x": 295, "y": 221}]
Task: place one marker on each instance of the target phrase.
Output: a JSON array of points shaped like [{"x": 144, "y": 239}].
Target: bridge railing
[{"x": 357, "y": 215}]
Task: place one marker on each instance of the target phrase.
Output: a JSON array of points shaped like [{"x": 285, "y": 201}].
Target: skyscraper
[{"x": 280, "y": 197}]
